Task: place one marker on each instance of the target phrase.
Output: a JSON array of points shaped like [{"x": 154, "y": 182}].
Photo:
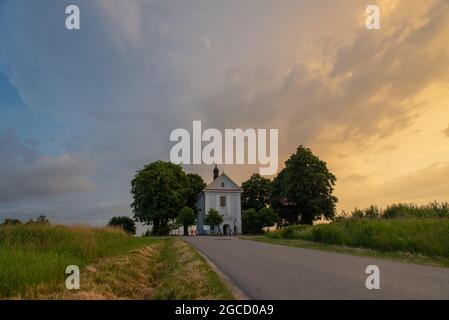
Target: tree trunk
[{"x": 186, "y": 230}]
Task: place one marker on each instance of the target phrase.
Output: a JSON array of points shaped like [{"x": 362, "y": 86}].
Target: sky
[{"x": 81, "y": 111}]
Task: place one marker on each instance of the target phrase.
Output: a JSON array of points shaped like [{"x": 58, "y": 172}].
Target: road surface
[{"x": 267, "y": 271}]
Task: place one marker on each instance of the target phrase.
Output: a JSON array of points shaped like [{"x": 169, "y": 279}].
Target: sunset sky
[{"x": 81, "y": 111}]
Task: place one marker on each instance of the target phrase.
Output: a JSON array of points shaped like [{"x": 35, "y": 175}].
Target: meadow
[
  {"x": 113, "y": 265},
  {"x": 35, "y": 254},
  {"x": 403, "y": 228}
]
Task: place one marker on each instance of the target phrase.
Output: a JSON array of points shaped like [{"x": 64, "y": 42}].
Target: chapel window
[{"x": 222, "y": 201}]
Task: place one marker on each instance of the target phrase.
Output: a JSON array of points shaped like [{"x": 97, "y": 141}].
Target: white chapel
[{"x": 223, "y": 195}]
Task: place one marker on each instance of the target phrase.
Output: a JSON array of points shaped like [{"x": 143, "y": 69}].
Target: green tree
[
  {"x": 302, "y": 191},
  {"x": 196, "y": 185},
  {"x": 42, "y": 220},
  {"x": 213, "y": 218},
  {"x": 256, "y": 192},
  {"x": 11, "y": 222},
  {"x": 254, "y": 221},
  {"x": 186, "y": 218},
  {"x": 159, "y": 192},
  {"x": 126, "y": 223}
]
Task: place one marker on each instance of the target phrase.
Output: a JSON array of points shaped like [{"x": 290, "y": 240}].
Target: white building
[{"x": 223, "y": 195}]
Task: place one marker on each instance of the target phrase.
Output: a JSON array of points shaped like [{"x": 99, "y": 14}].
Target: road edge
[{"x": 232, "y": 286}]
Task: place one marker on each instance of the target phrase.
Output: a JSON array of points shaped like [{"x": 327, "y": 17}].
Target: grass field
[
  {"x": 422, "y": 240},
  {"x": 113, "y": 265}
]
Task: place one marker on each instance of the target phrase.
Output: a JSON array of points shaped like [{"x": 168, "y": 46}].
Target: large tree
[
  {"x": 196, "y": 185},
  {"x": 302, "y": 191},
  {"x": 186, "y": 218},
  {"x": 159, "y": 192},
  {"x": 256, "y": 193}
]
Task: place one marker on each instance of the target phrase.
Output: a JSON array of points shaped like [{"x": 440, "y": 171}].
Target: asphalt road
[{"x": 267, "y": 271}]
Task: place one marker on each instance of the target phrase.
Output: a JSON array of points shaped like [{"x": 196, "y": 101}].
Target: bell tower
[{"x": 216, "y": 172}]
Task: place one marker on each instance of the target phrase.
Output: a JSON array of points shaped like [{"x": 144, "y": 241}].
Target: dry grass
[
  {"x": 181, "y": 273},
  {"x": 166, "y": 269},
  {"x": 111, "y": 278},
  {"x": 32, "y": 256}
]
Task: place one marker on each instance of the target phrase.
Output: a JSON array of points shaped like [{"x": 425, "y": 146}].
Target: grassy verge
[
  {"x": 34, "y": 254},
  {"x": 168, "y": 269},
  {"x": 113, "y": 265},
  {"x": 181, "y": 273},
  {"x": 355, "y": 251},
  {"x": 424, "y": 241}
]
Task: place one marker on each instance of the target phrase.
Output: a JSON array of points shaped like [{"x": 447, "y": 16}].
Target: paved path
[{"x": 267, "y": 271}]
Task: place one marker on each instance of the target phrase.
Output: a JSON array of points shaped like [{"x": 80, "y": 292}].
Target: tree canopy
[
  {"x": 302, "y": 191},
  {"x": 256, "y": 193},
  {"x": 159, "y": 192},
  {"x": 213, "y": 218},
  {"x": 186, "y": 218},
  {"x": 42, "y": 219},
  {"x": 196, "y": 185},
  {"x": 254, "y": 221}
]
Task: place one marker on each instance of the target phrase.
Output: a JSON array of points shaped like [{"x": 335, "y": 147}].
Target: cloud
[
  {"x": 207, "y": 43},
  {"x": 25, "y": 173},
  {"x": 446, "y": 131},
  {"x": 362, "y": 91},
  {"x": 112, "y": 92},
  {"x": 124, "y": 21},
  {"x": 356, "y": 178},
  {"x": 429, "y": 183}
]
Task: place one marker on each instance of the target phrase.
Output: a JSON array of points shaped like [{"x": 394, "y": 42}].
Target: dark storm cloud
[
  {"x": 24, "y": 173},
  {"x": 138, "y": 69}
]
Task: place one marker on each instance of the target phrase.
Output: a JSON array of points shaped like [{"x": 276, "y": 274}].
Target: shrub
[
  {"x": 401, "y": 211},
  {"x": 254, "y": 221},
  {"x": 330, "y": 233},
  {"x": 213, "y": 218},
  {"x": 290, "y": 232},
  {"x": 429, "y": 237},
  {"x": 126, "y": 223}
]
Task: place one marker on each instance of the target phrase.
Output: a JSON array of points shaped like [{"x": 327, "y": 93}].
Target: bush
[
  {"x": 213, "y": 218},
  {"x": 428, "y": 237},
  {"x": 126, "y": 223},
  {"x": 254, "y": 221},
  {"x": 330, "y": 233},
  {"x": 431, "y": 210},
  {"x": 11, "y": 222},
  {"x": 400, "y": 211},
  {"x": 290, "y": 232}
]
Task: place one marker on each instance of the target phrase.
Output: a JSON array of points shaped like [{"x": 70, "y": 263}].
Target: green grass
[
  {"x": 32, "y": 255},
  {"x": 355, "y": 251},
  {"x": 418, "y": 240},
  {"x": 183, "y": 274},
  {"x": 403, "y": 211},
  {"x": 113, "y": 265}
]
